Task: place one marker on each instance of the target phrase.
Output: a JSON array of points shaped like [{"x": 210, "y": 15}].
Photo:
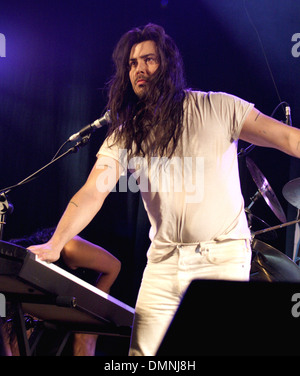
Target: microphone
[
  {"x": 99, "y": 123},
  {"x": 288, "y": 118}
]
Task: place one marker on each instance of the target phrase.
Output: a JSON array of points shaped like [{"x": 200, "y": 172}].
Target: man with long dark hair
[
  {"x": 141, "y": 101},
  {"x": 181, "y": 147}
]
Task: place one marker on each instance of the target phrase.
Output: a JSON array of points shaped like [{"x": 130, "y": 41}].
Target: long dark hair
[{"x": 160, "y": 111}]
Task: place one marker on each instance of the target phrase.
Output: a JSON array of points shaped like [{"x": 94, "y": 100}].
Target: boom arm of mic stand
[{"x": 6, "y": 207}]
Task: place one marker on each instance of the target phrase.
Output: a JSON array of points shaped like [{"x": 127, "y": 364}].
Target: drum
[{"x": 269, "y": 264}]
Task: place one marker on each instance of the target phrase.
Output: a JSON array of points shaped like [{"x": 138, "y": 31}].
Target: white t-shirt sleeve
[
  {"x": 231, "y": 111},
  {"x": 111, "y": 149}
]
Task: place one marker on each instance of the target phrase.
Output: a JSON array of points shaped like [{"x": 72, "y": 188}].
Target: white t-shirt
[{"x": 195, "y": 196}]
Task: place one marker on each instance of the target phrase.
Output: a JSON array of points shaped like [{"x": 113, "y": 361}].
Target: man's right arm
[{"x": 82, "y": 208}]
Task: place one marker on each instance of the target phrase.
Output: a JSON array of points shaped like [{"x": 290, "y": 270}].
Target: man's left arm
[{"x": 262, "y": 130}]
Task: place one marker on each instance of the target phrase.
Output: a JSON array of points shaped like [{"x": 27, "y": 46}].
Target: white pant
[{"x": 164, "y": 284}]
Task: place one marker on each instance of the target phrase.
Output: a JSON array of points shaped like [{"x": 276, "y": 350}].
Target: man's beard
[{"x": 144, "y": 95}]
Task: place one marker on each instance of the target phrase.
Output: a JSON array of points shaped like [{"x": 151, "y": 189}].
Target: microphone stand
[
  {"x": 245, "y": 152},
  {"x": 6, "y": 207}
]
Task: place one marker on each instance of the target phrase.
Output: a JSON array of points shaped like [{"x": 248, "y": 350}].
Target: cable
[
  {"x": 244, "y": 152},
  {"x": 276, "y": 108},
  {"x": 58, "y": 151},
  {"x": 264, "y": 53}
]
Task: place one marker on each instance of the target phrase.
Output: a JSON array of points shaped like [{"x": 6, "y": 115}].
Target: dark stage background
[{"x": 53, "y": 82}]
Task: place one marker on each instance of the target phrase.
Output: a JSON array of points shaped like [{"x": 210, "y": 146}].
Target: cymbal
[
  {"x": 265, "y": 190},
  {"x": 291, "y": 192},
  {"x": 271, "y": 265}
]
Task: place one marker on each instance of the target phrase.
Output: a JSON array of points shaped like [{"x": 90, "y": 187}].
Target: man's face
[{"x": 143, "y": 62}]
